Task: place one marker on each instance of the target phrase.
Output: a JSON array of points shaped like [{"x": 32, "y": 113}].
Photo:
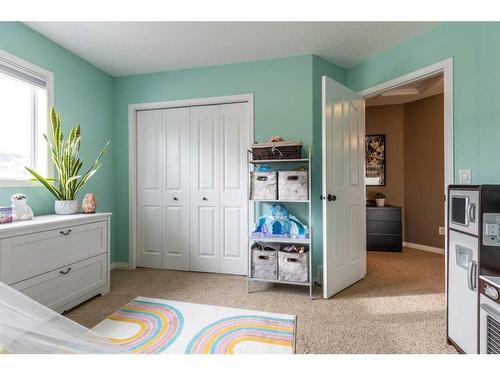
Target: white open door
[{"x": 344, "y": 212}]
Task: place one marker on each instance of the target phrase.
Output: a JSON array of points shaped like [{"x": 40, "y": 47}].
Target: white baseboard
[
  {"x": 119, "y": 266},
  {"x": 417, "y": 246}
]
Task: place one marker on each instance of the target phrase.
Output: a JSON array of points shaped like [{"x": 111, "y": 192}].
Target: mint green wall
[
  {"x": 287, "y": 102},
  {"x": 283, "y": 100},
  {"x": 82, "y": 93},
  {"x": 476, "y": 55}
]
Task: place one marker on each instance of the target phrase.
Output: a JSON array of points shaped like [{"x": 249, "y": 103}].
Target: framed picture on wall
[{"x": 375, "y": 155}]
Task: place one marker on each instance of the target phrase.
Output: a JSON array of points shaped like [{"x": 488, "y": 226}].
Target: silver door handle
[
  {"x": 471, "y": 212},
  {"x": 475, "y": 276},
  {"x": 471, "y": 275}
]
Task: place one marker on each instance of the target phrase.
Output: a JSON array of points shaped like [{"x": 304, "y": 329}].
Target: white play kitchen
[{"x": 473, "y": 260}]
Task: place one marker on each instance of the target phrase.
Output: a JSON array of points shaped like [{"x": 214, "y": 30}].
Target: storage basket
[
  {"x": 293, "y": 185},
  {"x": 277, "y": 150},
  {"x": 293, "y": 266},
  {"x": 263, "y": 185},
  {"x": 265, "y": 261}
]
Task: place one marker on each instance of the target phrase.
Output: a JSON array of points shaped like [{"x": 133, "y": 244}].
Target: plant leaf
[
  {"x": 45, "y": 183},
  {"x": 64, "y": 155}
]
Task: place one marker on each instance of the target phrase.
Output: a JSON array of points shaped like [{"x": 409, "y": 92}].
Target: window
[{"x": 24, "y": 101}]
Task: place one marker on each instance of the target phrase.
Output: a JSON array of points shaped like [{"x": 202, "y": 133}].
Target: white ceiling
[
  {"x": 424, "y": 88},
  {"x": 126, "y": 48}
]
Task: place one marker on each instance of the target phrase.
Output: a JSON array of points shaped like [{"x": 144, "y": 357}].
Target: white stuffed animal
[{"x": 20, "y": 209}]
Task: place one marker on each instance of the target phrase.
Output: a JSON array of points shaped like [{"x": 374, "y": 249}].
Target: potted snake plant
[{"x": 69, "y": 179}]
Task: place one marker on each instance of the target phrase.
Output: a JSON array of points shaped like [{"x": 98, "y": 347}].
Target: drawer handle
[
  {"x": 263, "y": 257},
  {"x": 292, "y": 260},
  {"x": 65, "y": 272},
  {"x": 65, "y": 233}
]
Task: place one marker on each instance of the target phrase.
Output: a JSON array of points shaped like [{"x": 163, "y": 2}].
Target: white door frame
[
  {"x": 446, "y": 68},
  {"x": 132, "y": 150}
]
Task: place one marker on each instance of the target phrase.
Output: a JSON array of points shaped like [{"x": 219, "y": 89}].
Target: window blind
[{"x": 22, "y": 73}]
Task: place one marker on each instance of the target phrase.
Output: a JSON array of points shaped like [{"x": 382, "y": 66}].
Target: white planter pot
[
  {"x": 66, "y": 207},
  {"x": 380, "y": 202}
]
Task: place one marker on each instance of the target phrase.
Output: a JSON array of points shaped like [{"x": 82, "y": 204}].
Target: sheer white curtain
[{"x": 29, "y": 327}]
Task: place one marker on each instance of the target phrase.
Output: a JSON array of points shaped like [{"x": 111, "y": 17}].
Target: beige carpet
[{"x": 398, "y": 308}]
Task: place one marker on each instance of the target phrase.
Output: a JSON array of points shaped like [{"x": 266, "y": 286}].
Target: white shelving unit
[{"x": 306, "y": 162}]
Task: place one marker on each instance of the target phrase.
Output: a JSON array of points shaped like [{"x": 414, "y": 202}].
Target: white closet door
[
  {"x": 204, "y": 189},
  {"x": 234, "y": 140},
  {"x": 176, "y": 189},
  {"x": 149, "y": 188}
]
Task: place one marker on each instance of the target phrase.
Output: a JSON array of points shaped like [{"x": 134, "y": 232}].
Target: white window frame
[{"x": 13, "y": 62}]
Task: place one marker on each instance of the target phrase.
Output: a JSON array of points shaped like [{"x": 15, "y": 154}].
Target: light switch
[{"x": 465, "y": 176}]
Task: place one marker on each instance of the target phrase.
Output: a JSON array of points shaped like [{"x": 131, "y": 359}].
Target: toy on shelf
[
  {"x": 89, "y": 203},
  {"x": 280, "y": 223},
  {"x": 294, "y": 249},
  {"x": 20, "y": 209},
  {"x": 5, "y": 215}
]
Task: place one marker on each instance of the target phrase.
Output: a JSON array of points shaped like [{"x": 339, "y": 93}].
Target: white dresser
[{"x": 57, "y": 260}]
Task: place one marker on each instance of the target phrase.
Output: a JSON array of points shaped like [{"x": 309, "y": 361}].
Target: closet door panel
[
  {"x": 205, "y": 184},
  {"x": 176, "y": 189},
  {"x": 206, "y": 230},
  {"x": 234, "y": 138},
  {"x": 207, "y": 130},
  {"x": 232, "y": 233},
  {"x": 149, "y": 188}
]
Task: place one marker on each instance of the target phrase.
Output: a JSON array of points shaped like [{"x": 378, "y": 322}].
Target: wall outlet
[
  {"x": 465, "y": 176},
  {"x": 442, "y": 231}
]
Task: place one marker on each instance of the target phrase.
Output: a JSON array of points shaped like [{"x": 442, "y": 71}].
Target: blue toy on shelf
[{"x": 280, "y": 223}]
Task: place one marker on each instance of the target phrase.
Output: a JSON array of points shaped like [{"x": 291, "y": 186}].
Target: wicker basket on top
[{"x": 277, "y": 150}]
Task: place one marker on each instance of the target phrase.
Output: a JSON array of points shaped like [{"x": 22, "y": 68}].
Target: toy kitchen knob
[{"x": 491, "y": 292}]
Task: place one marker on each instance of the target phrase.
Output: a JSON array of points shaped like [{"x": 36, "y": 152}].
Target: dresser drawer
[
  {"x": 26, "y": 256},
  {"x": 384, "y": 227},
  {"x": 62, "y": 286},
  {"x": 383, "y": 214},
  {"x": 384, "y": 242}
]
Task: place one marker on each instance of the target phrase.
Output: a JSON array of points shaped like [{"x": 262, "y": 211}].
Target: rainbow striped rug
[{"x": 148, "y": 325}]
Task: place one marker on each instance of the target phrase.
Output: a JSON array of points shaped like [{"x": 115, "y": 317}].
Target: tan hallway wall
[
  {"x": 389, "y": 120},
  {"x": 424, "y": 170}
]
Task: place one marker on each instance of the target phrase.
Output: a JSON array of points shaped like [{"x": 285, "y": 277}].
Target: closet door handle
[
  {"x": 175, "y": 199},
  {"x": 205, "y": 199}
]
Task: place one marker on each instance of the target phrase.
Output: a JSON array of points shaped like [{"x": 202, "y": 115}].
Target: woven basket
[{"x": 277, "y": 150}]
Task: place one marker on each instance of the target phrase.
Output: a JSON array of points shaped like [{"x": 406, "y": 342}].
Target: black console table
[{"x": 384, "y": 231}]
